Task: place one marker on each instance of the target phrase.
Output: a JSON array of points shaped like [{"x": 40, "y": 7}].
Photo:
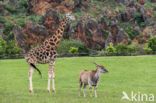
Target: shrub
[
  {"x": 9, "y": 49},
  {"x": 2, "y": 19},
  {"x": 2, "y": 47},
  {"x": 8, "y": 30},
  {"x": 65, "y": 46},
  {"x": 12, "y": 49},
  {"x": 139, "y": 18},
  {"x": 101, "y": 53},
  {"x": 147, "y": 49},
  {"x": 151, "y": 43},
  {"x": 110, "y": 49},
  {"x": 24, "y": 3},
  {"x": 12, "y": 10},
  {"x": 8, "y": 26},
  {"x": 123, "y": 49},
  {"x": 83, "y": 50},
  {"x": 131, "y": 33},
  {"x": 73, "y": 50},
  {"x": 138, "y": 48}
]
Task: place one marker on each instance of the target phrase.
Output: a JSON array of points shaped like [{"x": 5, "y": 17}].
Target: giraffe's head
[{"x": 69, "y": 16}]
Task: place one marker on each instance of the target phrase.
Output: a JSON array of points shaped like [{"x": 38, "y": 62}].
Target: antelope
[{"x": 91, "y": 78}]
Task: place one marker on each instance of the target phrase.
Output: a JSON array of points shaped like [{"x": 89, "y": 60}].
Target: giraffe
[{"x": 46, "y": 53}]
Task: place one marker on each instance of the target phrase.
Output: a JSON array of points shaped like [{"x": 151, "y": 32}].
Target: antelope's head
[{"x": 101, "y": 68}]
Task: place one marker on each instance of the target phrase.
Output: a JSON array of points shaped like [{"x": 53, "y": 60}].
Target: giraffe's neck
[
  {"x": 60, "y": 30},
  {"x": 55, "y": 38}
]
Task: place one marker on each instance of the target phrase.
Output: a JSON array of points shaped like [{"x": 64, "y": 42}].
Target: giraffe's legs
[
  {"x": 30, "y": 73},
  {"x": 51, "y": 75}
]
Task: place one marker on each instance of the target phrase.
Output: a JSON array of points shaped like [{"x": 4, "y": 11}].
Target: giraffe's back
[{"x": 40, "y": 55}]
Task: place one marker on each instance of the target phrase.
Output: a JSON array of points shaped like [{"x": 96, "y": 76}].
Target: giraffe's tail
[{"x": 36, "y": 69}]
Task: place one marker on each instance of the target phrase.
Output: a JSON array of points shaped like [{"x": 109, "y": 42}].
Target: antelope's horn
[{"x": 95, "y": 63}]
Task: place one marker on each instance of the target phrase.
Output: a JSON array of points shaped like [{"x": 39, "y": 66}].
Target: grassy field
[{"x": 130, "y": 73}]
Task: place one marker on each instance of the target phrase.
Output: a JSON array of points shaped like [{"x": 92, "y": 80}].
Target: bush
[
  {"x": 139, "y": 19},
  {"x": 8, "y": 30},
  {"x": 65, "y": 45},
  {"x": 151, "y": 43},
  {"x": 8, "y": 49},
  {"x": 147, "y": 49},
  {"x": 2, "y": 47},
  {"x": 101, "y": 53},
  {"x": 110, "y": 49},
  {"x": 132, "y": 33},
  {"x": 24, "y": 3},
  {"x": 2, "y": 19},
  {"x": 12, "y": 49},
  {"x": 73, "y": 50},
  {"x": 12, "y": 10},
  {"x": 123, "y": 49}
]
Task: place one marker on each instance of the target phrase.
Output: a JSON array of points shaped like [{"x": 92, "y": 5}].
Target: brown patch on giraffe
[
  {"x": 55, "y": 39},
  {"x": 52, "y": 49},
  {"x": 51, "y": 43},
  {"x": 48, "y": 46},
  {"x": 47, "y": 53},
  {"x": 51, "y": 39},
  {"x": 59, "y": 36},
  {"x": 64, "y": 26},
  {"x": 58, "y": 31},
  {"x": 57, "y": 42},
  {"x": 46, "y": 42},
  {"x": 62, "y": 29}
]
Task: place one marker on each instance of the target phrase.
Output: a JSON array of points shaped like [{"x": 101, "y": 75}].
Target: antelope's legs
[
  {"x": 84, "y": 90},
  {"x": 80, "y": 88},
  {"x": 95, "y": 91}
]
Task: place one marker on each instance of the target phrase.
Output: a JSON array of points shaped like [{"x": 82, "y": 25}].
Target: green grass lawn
[{"x": 130, "y": 73}]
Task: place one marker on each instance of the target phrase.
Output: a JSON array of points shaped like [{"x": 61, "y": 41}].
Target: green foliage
[
  {"x": 2, "y": 47},
  {"x": 8, "y": 26},
  {"x": 8, "y": 49},
  {"x": 83, "y": 50},
  {"x": 2, "y": 19},
  {"x": 24, "y": 3},
  {"x": 123, "y": 49},
  {"x": 147, "y": 49},
  {"x": 110, "y": 49},
  {"x": 149, "y": 4},
  {"x": 132, "y": 33},
  {"x": 8, "y": 31},
  {"x": 65, "y": 45},
  {"x": 125, "y": 24},
  {"x": 152, "y": 43},
  {"x": 139, "y": 19},
  {"x": 73, "y": 50},
  {"x": 10, "y": 9},
  {"x": 101, "y": 53},
  {"x": 105, "y": 33},
  {"x": 12, "y": 49}
]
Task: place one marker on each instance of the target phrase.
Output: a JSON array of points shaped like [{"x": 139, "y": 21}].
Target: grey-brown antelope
[{"x": 91, "y": 78}]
